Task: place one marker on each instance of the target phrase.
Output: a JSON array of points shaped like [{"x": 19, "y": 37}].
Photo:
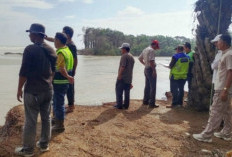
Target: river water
[{"x": 94, "y": 81}]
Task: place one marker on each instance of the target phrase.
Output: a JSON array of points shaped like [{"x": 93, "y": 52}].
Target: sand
[{"x": 139, "y": 131}]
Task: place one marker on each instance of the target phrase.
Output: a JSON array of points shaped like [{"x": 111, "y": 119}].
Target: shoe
[
  {"x": 223, "y": 136},
  {"x": 69, "y": 109},
  {"x": 118, "y": 107},
  {"x": 59, "y": 126},
  {"x": 144, "y": 104},
  {"x": 22, "y": 152},
  {"x": 199, "y": 137},
  {"x": 42, "y": 149},
  {"x": 169, "y": 106}
]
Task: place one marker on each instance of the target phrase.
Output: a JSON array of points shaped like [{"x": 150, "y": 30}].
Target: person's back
[
  {"x": 148, "y": 54},
  {"x": 180, "y": 69},
  {"x": 128, "y": 72},
  {"x": 36, "y": 67}
]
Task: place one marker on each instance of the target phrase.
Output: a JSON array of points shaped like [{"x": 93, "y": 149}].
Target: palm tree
[{"x": 214, "y": 17}]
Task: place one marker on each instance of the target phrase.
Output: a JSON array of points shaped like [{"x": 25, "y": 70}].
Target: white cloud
[
  {"x": 87, "y": 1},
  {"x": 14, "y": 23},
  {"x": 66, "y": 0},
  {"x": 130, "y": 11},
  {"x": 170, "y": 24},
  {"x": 70, "y": 17},
  {"x": 40, "y": 4},
  {"x": 84, "y": 1}
]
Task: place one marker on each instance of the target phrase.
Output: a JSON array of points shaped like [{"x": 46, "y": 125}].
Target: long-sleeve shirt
[{"x": 214, "y": 65}]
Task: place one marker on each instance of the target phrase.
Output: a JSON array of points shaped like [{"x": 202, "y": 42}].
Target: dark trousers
[
  {"x": 120, "y": 88},
  {"x": 189, "y": 79},
  {"x": 70, "y": 94},
  {"x": 58, "y": 100},
  {"x": 177, "y": 90},
  {"x": 150, "y": 87}
]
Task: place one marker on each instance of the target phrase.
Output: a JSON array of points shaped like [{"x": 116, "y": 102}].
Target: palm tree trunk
[{"x": 209, "y": 16}]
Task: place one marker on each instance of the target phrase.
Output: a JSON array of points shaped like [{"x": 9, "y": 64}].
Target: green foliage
[{"x": 106, "y": 42}]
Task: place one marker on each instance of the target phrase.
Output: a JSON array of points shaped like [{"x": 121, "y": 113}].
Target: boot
[{"x": 58, "y": 126}]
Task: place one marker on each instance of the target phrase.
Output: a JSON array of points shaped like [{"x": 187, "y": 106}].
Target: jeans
[
  {"x": 71, "y": 94},
  {"x": 35, "y": 104},
  {"x": 120, "y": 88},
  {"x": 150, "y": 87},
  {"x": 58, "y": 100},
  {"x": 177, "y": 90}
]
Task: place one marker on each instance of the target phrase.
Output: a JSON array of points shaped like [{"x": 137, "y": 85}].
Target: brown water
[{"x": 94, "y": 82}]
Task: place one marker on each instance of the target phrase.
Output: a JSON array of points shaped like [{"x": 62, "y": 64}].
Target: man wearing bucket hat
[
  {"x": 124, "y": 79},
  {"x": 147, "y": 58},
  {"x": 36, "y": 74},
  {"x": 217, "y": 58}
]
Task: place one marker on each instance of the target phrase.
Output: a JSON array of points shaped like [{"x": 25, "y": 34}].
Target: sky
[{"x": 150, "y": 17}]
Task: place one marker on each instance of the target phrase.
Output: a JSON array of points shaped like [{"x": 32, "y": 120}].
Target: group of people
[
  {"x": 47, "y": 76},
  {"x": 181, "y": 71}
]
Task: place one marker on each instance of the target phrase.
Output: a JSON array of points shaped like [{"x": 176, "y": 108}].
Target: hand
[
  {"x": 224, "y": 95},
  {"x": 131, "y": 86},
  {"x": 19, "y": 95},
  {"x": 154, "y": 75},
  {"x": 71, "y": 79}
]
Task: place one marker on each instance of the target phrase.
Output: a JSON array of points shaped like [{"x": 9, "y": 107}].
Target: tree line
[{"x": 99, "y": 41}]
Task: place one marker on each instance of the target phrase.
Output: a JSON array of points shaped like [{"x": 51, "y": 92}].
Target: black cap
[
  {"x": 179, "y": 47},
  {"x": 187, "y": 44},
  {"x": 37, "y": 28},
  {"x": 62, "y": 37}
]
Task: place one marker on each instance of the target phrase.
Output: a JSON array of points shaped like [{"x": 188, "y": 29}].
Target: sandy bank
[{"x": 105, "y": 131}]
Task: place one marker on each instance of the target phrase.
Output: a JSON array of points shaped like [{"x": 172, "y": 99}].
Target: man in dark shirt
[
  {"x": 124, "y": 79},
  {"x": 36, "y": 74},
  {"x": 71, "y": 92}
]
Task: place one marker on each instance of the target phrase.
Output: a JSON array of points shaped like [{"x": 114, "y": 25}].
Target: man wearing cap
[
  {"x": 221, "y": 107},
  {"x": 179, "y": 66},
  {"x": 147, "y": 58},
  {"x": 214, "y": 64},
  {"x": 124, "y": 79},
  {"x": 36, "y": 74},
  {"x": 190, "y": 53},
  {"x": 62, "y": 79},
  {"x": 71, "y": 92}
]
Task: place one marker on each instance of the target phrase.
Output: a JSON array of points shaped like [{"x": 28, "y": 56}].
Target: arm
[
  {"x": 153, "y": 66},
  {"x": 49, "y": 39},
  {"x": 172, "y": 63},
  {"x": 224, "y": 93},
  {"x": 120, "y": 71},
  {"x": 63, "y": 71},
  {"x": 22, "y": 81},
  {"x": 141, "y": 58},
  {"x": 75, "y": 66},
  {"x": 141, "y": 61}
]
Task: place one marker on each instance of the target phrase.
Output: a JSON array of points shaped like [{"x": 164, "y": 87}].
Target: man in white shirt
[
  {"x": 217, "y": 58},
  {"x": 221, "y": 107},
  {"x": 147, "y": 58}
]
